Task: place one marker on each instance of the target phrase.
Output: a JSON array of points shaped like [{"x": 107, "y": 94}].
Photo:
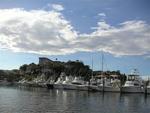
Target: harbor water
[{"x": 42, "y": 100}]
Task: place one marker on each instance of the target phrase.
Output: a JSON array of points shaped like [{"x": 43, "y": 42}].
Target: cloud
[
  {"x": 49, "y": 33},
  {"x": 102, "y": 14},
  {"x": 36, "y": 31},
  {"x": 57, "y": 7},
  {"x": 129, "y": 38}
]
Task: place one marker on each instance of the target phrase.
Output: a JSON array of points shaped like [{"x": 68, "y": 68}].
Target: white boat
[
  {"x": 147, "y": 86},
  {"x": 112, "y": 85},
  {"x": 133, "y": 84},
  {"x": 148, "y": 89},
  {"x": 59, "y": 83},
  {"x": 96, "y": 85},
  {"x": 39, "y": 81},
  {"x": 50, "y": 83},
  {"x": 80, "y": 84},
  {"x": 67, "y": 83},
  {"x": 103, "y": 84}
]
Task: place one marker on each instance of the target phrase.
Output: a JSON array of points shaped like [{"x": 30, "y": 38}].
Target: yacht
[
  {"x": 148, "y": 89},
  {"x": 106, "y": 85},
  {"x": 67, "y": 83},
  {"x": 96, "y": 84},
  {"x": 50, "y": 83},
  {"x": 39, "y": 81},
  {"x": 134, "y": 83},
  {"x": 59, "y": 83},
  {"x": 112, "y": 85},
  {"x": 147, "y": 84},
  {"x": 80, "y": 84}
]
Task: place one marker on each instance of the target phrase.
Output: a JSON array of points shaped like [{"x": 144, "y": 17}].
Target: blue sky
[{"x": 76, "y": 30}]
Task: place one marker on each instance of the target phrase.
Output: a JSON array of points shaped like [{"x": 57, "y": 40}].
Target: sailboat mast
[
  {"x": 102, "y": 70},
  {"x": 92, "y": 66},
  {"x": 102, "y": 62}
]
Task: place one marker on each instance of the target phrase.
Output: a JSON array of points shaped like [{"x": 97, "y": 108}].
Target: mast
[
  {"x": 102, "y": 58},
  {"x": 102, "y": 62},
  {"x": 92, "y": 66}
]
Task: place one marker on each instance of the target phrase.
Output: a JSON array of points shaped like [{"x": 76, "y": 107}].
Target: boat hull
[
  {"x": 69, "y": 87},
  {"x": 111, "y": 89},
  {"x": 132, "y": 89},
  {"x": 83, "y": 87},
  {"x": 75, "y": 87},
  {"x": 50, "y": 86},
  {"x": 148, "y": 90},
  {"x": 95, "y": 88},
  {"x": 58, "y": 86}
]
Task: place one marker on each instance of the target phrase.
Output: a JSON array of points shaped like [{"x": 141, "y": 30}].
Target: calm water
[{"x": 36, "y": 100}]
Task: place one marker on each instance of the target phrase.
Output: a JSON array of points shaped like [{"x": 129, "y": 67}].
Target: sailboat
[
  {"x": 96, "y": 84},
  {"x": 105, "y": 84}
]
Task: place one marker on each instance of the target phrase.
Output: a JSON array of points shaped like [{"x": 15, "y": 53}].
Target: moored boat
[
  {"x": 80, "y": 84},
  {"x": 112, "y": 84},
  {"x": 67, "y": 83},
  {"x": 133, "y": 84}
]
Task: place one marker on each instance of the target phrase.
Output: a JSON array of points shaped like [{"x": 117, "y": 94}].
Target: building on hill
[{"x": 44, "y": 60}]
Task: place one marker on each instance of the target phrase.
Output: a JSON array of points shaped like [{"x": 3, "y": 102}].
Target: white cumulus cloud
[
  {"x": 36, "y": 31},
  {"x": 49, "y": 33},
  {"x": 57, "y": 7},
  {"x": 130, "y": 38}
]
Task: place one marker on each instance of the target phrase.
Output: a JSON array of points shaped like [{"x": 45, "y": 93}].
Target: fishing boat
[
  {"x": 112, "y": 85},
  {"x": 104, "y": 84},
  {"x": 67, "y": 83},
  {"x": 50, "y": 83},
  {"x": 134, "y": 83},
  {"x": 80, "y": 84},
  {"x": 147, "y": 86},
  {"x": 95, "y": 84},
  {"x": 148, "y": 89},
  {"x": 59, "y": 83}
]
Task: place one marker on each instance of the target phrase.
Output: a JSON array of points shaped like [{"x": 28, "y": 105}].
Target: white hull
[
  {"x": 95, "y": 88},
  {"x": 70, "y": 87},
  {"x": 132, "y": 89},
  {"x": 111, "y": 89},
  {"x": 75, "y": 87},
  {"x": 42, "y": 84},
  {"x": 148, "y": 90},
  {"x": 58, "y": 86},
  {"x": 82, "y": 87}
]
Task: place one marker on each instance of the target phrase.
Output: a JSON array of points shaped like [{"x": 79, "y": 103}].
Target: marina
[
  {"x": 75, "y": 56},
  {"x": 133, "y": 84}
]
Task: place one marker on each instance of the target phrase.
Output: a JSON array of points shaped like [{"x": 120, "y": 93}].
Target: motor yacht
[
  {"x": 95, "y": 85},
  {"x": 67, "y": 83},
  {"x": 80, "y": 84},
  {"x": 112, "y": 85},
  {"x": 50, "y": 83},
  {"x": 147, "y": 86},
  {"x": 59, "y": 83},
  {"x": 133, "y": 84}
]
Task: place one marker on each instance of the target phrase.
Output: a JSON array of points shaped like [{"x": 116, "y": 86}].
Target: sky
[{"x": 76, "y": 30}]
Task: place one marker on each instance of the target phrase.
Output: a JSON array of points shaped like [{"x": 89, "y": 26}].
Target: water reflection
[{"x": 40, "y": 100}]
